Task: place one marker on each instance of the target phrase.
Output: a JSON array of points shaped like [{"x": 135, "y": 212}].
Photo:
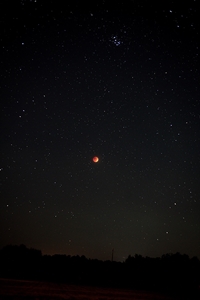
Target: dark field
[{"x": 21, "y": 289}]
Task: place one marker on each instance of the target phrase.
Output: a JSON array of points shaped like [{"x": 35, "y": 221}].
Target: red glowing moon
[{"x": 95, "y": 159}]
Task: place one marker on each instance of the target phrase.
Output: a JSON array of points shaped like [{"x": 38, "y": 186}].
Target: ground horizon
[{"x": 171, "y": 274}]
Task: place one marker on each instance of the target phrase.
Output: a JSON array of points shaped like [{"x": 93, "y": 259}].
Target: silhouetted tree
[{"x": 172, "y": 273}]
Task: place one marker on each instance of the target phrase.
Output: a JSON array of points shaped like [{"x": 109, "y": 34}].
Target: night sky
[{"x": 114, "y": 79}]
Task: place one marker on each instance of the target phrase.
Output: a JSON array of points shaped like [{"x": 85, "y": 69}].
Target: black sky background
[{"x": 115, "y": 80}]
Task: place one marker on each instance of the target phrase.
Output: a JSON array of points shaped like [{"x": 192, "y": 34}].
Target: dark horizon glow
[{"x": 117, "y": 81}]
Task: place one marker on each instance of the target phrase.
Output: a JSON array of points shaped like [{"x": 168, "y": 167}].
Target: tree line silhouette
[{"x": 171, "y": 273}]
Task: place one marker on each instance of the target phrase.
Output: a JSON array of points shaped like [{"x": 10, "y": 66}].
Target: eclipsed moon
[{"x": 95, "y": 159}]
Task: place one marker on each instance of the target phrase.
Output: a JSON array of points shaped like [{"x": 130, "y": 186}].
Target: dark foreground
[
  {"x": 40, "y": 276},
  {"x": 36, "y": 290}
]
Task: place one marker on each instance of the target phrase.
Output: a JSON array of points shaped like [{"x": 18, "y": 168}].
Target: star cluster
[{"x": 120, "y": 82}]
